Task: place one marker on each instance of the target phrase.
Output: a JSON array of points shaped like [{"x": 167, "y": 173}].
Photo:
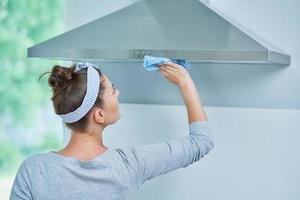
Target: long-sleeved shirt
[{"x": 114, "y": 174}]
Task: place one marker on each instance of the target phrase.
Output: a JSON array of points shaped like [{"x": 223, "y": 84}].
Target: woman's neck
[{"x": 84, "y": 146}]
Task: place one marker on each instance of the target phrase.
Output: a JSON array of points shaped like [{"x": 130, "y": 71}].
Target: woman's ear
[{"x": 98, "y": 115}]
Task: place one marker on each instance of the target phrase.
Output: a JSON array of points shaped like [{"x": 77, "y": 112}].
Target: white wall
[{"x": 256, "y": 150}]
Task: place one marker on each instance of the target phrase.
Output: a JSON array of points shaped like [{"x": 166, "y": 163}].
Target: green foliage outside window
[{"x": 24, "y": 24}]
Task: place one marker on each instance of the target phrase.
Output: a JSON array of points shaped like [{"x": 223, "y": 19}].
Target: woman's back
[{"x": 114, "y": 174}]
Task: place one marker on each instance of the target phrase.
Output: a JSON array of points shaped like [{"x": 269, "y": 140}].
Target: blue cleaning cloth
[{"x": 151, "y": 62}]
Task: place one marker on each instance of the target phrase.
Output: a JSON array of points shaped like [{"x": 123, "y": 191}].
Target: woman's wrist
[{"x": 186, "y": 83}]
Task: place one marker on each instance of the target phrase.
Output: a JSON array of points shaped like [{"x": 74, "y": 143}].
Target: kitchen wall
[{"x": 256, "y": 150}]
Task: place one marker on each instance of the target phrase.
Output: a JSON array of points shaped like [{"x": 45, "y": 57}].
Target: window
[{"x": 28, "y": 124}]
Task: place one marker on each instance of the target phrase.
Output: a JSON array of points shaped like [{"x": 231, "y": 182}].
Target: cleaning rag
[{"x": 151, "y": 63}]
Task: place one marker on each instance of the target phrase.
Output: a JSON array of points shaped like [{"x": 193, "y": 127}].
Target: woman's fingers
[
  {"x": 171, "y": 64},
  {"x": 168, "y": 67},
  {"x": 162, "y": 65},
  {"x": 169, "y": 70},
  {"x": 166, "y": 75},
  {"x": 173, "y": 72}
]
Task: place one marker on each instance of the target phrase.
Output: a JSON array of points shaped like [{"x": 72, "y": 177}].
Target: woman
[{"x": 86, "y": 169}]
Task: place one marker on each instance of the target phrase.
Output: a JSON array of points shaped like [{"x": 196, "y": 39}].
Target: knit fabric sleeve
[
  {"x": 21, "y": 188},
  {"x": 144, "y": 162}
]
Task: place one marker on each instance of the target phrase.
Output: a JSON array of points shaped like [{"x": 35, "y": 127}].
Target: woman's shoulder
[
  {"x": 37, "y": 158},
  {"x": 29, "y": 165}
]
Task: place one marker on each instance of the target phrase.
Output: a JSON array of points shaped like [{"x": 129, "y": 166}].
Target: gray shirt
[{"x": 112, "y": 175}]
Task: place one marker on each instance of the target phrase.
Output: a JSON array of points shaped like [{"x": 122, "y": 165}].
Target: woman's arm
[
  {"x": 145, "y": 162},
  {"x": 192, "y": 101},
  {"x": 180, "y": 76},
  {"x": 21, "y": 187}
]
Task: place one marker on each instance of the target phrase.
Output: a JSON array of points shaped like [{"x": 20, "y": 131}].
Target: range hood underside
[
  {"x": 197, "y": 33},
  {"x": 199, "y": 56}
]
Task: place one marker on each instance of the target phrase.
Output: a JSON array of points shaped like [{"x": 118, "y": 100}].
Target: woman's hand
[{"x": 175, "y": 73}]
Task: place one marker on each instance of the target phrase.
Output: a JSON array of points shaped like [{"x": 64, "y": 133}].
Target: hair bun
[{"x": 60, "y": 76}]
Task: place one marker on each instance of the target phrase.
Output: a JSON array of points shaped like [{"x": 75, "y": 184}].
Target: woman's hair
[{"x": 69, "y": 89}]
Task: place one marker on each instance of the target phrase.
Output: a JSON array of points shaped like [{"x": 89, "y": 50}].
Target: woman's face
[{"x": 111, "y": 103}]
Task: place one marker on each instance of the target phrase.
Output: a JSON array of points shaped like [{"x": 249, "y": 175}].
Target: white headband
[{"x": 92, "y": 89}]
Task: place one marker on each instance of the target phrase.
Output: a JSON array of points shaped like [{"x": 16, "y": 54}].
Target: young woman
[{"x": 85, "y": 168}]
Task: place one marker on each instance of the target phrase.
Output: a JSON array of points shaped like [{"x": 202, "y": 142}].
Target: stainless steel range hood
[{"x": 183, "y": 29}]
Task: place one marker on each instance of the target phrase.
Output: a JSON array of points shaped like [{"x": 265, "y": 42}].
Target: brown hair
[{"x": 69, "y": 89}]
